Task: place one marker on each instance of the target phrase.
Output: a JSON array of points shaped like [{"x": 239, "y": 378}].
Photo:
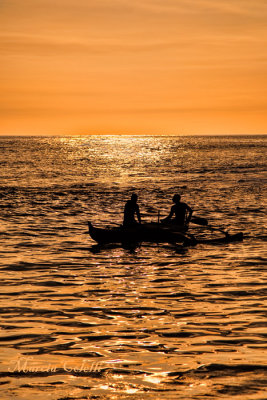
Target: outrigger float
[{"x": 158, "y": 233}]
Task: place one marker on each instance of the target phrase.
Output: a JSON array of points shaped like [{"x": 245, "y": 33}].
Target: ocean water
[{"x": 155, "y": 322}]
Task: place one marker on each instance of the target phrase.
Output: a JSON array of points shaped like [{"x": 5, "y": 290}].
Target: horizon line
[{"x": 132, "y": 134}]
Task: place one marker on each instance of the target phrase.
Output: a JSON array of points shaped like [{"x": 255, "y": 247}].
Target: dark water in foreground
[{"x": 157, "y": 322}]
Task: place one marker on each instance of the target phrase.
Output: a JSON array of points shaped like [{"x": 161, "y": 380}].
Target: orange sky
[{"x": 133, "y": 66}]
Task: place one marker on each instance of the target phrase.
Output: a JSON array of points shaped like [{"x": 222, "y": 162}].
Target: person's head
[
  {"x": 176, "y": 198},
  {"x": 134, "y": 198}
]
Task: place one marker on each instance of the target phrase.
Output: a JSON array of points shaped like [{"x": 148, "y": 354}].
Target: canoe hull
[{"x": 140, "y": 233}]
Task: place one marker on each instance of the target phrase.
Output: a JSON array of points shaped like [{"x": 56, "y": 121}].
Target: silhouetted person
[
  {"x": 131, "y": 208},
  {"x": 181, "y": 211}
]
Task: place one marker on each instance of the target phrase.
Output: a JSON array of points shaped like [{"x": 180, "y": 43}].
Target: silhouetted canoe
[
  {"x": 139, "y": 233},
  {"x": 153, "y": 233}
]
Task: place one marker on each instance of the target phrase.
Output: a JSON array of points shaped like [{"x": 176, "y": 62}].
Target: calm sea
[{"x": 155, "y": 322}]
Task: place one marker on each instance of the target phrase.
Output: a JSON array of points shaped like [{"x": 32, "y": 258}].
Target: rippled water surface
[{"x": 155, "y": 322}]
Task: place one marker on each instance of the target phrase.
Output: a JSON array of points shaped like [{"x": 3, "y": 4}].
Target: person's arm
[
  {"x": 189, "y": 215},
  {"x": 138, "y": 214},
  {"x": 125, "y": 211},
  {"x": 169, "y": 216}
]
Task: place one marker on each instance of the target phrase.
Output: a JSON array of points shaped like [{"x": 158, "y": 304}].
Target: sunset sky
[{"x": 133, "y": 67}]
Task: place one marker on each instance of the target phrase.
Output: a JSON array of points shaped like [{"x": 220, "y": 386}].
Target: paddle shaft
[{"x": 204, "y": 222}]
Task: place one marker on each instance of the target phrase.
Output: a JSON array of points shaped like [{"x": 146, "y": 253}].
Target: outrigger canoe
[{"x": 153, "y": 232}]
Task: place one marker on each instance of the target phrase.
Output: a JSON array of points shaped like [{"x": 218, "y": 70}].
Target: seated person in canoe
[
  {"x": 131, "y": 208},
  {"x": 181, "y": 211}
]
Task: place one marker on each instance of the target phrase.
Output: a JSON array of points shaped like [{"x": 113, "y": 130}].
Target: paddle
[
  {"x": 204, "y": 222},
  {"x": 199, "y": 221},
  {"x": 228, "y": 238}
]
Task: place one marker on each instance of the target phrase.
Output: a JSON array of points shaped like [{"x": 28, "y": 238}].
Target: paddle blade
[
  {"x": 199, "y": 221},
  {"x": 238, "y": 237}
]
